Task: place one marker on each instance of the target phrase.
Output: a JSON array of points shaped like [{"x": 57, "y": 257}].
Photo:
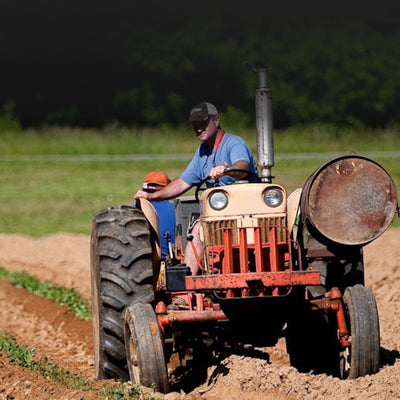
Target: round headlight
[
  {"x": 273, "y": 197},
  {"x": 218, "y": 200}
]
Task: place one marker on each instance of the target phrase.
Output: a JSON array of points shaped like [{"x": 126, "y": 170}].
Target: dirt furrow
[{"x": 53, "y": 331}]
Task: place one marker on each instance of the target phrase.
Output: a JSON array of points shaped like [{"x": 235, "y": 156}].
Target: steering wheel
[{"x": 200, "y": 186}]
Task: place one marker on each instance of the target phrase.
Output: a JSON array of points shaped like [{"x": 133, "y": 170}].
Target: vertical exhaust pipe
[{"x": 264, "y": 122}]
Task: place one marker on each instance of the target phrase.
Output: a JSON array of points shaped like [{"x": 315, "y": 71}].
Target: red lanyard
[{"x": 218, "y": 143}]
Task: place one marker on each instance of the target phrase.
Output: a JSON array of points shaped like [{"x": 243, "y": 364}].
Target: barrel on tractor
[{"x": 275, "y": 265}]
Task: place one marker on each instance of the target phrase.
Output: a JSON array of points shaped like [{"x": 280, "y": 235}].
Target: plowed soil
[{"x": 55, "y": 334}]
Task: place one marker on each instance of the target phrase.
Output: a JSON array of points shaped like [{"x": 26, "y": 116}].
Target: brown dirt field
[{"x": 64, "y": 260}]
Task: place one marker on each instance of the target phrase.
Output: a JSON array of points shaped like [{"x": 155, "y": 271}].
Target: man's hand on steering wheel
[
  {"x": 200, "y": 186},
  {"x": 217, "y": 172}
]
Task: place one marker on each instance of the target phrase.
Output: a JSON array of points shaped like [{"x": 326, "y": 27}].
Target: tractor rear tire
[
  {"x": 145, "y": 348},
  {"x": 362, "y": 357},
  {"x": 121, "y": 275}
]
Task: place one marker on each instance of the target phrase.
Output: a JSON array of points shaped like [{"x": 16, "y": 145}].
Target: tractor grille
[
  {"x": 267, "y": 223},
  {"x": 252, "y": 256},
  {"x": 214, "y": 230}
]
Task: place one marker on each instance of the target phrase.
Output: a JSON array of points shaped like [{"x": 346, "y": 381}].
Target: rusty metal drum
[{"x": 350, "y": 200}]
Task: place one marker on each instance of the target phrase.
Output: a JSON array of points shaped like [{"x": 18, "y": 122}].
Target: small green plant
[
  {"x": 25, "y": 357},
  {"x": 61, "y": 295},
  {"x": 124, "y": 392}
]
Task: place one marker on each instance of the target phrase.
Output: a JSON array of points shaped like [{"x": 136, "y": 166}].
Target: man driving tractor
[{"x": 218, "y": 152}]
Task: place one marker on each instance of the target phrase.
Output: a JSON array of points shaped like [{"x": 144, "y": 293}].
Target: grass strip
[
  {"x": 65, "y": 297},
  {"x": 43, "y": 191},
  {"x": 25, "y": 357}
]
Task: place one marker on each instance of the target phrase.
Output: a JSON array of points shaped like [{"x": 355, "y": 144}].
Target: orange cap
[{"x": 154, "y": 179}]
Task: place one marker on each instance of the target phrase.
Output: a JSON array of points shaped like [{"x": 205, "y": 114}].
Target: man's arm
[
  {"x": 172, "y": 190},
  {"x": 218, "y": 171}
]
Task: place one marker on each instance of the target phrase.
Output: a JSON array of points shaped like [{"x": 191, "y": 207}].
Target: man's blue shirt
[{"x": 231, "y": 150}]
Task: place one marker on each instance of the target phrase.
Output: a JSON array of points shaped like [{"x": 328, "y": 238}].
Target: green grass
[
  {"x": 109, "y": 140},
  {"x": 167, "y": 140},
  {"x": 24, "y": 356},
  {"x": 38, "y": 198},
  {"x": 330, "y": 139},
  {"x": 65, "y": 297},
  {"x": 42, "y": 194}
]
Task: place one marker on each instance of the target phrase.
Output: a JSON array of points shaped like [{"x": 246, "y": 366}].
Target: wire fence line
[{"x": 177, "y": 157}]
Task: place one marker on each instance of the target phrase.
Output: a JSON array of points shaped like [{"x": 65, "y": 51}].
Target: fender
[
  {"x": 152, "y": 217},
  {"x": 293, "y": 204}
]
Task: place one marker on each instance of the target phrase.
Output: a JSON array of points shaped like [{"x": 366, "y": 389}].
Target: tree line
[{"x": 67, "y": 63}]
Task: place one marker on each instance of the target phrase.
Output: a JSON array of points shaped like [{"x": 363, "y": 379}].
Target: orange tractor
[{"x": 275, "y": 265}]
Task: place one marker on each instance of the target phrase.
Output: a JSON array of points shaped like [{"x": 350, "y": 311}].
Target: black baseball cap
[{"x": 202, "y": 111}]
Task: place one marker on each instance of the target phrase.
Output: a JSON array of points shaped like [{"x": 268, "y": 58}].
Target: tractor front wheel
[
  {"x": 145, "y": 348},
  {"x": 362, "y": 356}
]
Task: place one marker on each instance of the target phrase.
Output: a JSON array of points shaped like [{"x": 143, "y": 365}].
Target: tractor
[{"x": 276, "y": 265}]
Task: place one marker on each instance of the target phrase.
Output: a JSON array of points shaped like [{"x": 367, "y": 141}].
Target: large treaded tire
[{"x": 121, "y": 275}]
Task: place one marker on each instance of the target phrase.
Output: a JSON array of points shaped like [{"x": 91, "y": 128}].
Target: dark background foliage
[{"x": 90, "y": 63}]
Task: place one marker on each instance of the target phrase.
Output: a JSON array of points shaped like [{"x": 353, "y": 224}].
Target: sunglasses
[{"x": 200, "y": 125}]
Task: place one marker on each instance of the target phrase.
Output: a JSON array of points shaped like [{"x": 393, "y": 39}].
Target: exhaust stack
[{"x": 264, "y": 123}]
